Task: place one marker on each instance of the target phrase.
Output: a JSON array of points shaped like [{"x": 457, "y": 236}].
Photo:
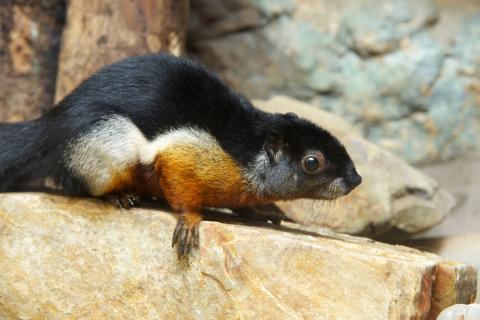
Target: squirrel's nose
[{"x": 353, "y": 180}]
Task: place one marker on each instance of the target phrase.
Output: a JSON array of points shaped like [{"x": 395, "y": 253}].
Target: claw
[
  {"x": 116, "y": 203},
  {"x": 185, "y": 237},
  {"x": 196, "y": 238},
  {"x": 130, "y": 202},
  {"x": 176, "y": 233},
  {"x": 123, "y": 200}
]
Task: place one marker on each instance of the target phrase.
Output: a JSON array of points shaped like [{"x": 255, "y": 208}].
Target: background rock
[
  {"x": 374, "y": 27},
  {"x": 392, "y": 194},
  {"x": 69, "y": 258},
  {"x": 406, "y": 72},
  {"x": 29, "y": 42}
]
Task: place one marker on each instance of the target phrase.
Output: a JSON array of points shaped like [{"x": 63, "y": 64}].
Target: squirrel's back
[{"x": 159, "y": 92}]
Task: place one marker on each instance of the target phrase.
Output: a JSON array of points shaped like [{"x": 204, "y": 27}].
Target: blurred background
[{"x": 406, "y": 73}]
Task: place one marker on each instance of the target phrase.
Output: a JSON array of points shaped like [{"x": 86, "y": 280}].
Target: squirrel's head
[{"x": 301, "y": 160}]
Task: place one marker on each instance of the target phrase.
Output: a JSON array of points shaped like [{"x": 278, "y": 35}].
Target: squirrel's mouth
[{"x": 333, "y": 190}]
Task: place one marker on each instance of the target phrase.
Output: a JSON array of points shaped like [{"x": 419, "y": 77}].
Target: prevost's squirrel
[{"x": 161, "y": 126}]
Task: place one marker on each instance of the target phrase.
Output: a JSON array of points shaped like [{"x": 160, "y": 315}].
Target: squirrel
[{"x": 161, "y": 126}]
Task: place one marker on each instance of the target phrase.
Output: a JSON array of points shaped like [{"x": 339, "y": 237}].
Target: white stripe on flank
[
  {"x": 176, "y": 137},
  {"x": 116, "y": 144}
]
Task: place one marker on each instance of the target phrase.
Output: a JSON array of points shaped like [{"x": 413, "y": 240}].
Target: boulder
[
  {"x": 71, "y": 258},
  {"x": 463, "y": 248},
  {"x": 461, "y": 178},
  {"x": 393, "y": 194}
]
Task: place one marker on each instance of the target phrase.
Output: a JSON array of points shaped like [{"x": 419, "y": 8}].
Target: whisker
[{"x": 319, "y": 213}]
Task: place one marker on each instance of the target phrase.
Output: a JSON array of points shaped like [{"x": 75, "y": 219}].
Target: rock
[
  {"x": 374, "y": 27},
  {"x": 392, "y": 194},
  {"x": 403, "y": 76},
  {"x": 461, "y": 312},
  {"x": 464, "y": 248},
  {"x": 466, "y": 49},
  {"x": 30, "y": 33},
  {"x": 229, "y": 17},
  {"x": 445, "y": 130},
  {"x": 457, "y": 178},
  {"x": 414, "y": 213},
  {"x": 103, "y": 33},
  {"x": 67, "y": 258}
]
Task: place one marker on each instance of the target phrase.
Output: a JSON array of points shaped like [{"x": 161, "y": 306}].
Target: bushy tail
[{"x": 21, "y": 148}]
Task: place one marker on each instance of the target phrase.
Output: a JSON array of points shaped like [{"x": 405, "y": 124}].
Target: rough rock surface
[
  {"x": 392, "y": 194},
  {"x": 374, "y": 27},
  {"x": 464, "y": 248},
  {"x": 71, "y": 258},
  {"x": 405, "y": 71},
  {"x": 29, "y": 42}
]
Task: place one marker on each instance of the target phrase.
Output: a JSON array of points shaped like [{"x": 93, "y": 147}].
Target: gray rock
[
  {"x": 406, "y": 137},
  {"x": 211, "y": 18},
  {"x": 376, "y": 27},
  {"x": 392, "y": 86},
  {"x": 467, "y": 46},
  {"x": 452, "y": 110}
]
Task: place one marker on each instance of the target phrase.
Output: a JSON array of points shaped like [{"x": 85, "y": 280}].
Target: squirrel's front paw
[
  {"x": 186, "y": 234},
  {"x": 123, "y": 200}
]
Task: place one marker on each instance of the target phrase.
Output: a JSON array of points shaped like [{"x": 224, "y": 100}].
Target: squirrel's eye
[{"x": 312, "y": 164}]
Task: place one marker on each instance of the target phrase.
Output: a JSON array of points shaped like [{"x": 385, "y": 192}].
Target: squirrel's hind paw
[{"x": 268, "y": 212}]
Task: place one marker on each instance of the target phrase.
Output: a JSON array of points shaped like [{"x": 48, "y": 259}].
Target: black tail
[{"x": 22, "y": 147}]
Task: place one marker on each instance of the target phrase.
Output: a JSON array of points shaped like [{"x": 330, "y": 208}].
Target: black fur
[{"x": 157, "y": 92}]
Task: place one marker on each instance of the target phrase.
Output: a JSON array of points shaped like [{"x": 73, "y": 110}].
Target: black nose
[{"x": 353, "y": 181}]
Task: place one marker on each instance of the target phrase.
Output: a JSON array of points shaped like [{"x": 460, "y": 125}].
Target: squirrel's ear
[
  {"x": 272, "y": 145},
  {"x": 291, "y": 116}
]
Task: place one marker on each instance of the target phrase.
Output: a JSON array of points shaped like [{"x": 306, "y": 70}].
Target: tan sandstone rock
[
  {"x": 392, "y": 194},
  {"x": 73, "y": 258},
  {"x": 464, "y": 247}
]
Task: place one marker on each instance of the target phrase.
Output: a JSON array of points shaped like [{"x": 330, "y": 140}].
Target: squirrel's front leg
[{"x": 186, "y": 234}]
